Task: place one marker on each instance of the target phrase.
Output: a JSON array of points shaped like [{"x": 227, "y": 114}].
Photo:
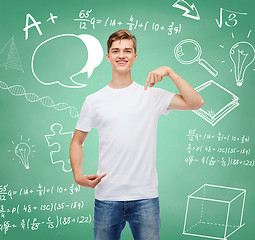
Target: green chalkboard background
[{"x": 31, "y": 110}]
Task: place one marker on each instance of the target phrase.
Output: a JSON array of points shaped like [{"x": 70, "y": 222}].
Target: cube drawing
[{"x": 214, "y": 212}]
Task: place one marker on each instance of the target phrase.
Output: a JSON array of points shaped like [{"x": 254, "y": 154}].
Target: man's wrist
[
  {"x": 77, "y": 177},
  {"x": 170, "y": 72}
]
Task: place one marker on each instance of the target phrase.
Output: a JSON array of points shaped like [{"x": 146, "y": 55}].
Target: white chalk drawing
[
  {"x": 95, "y": 57},
  {"x": 23, "y": 151},
  {"x": 218, "y": 102},
  {"x": 214, "y": 211},
  {"x": 9, "y": 56},
  {"x": 18, "y": 90},
  {"x": 249, "y": 33},
  {"x": 231, "y": 19},
  {"x": 189, "y": 51},
  {"x": 52, "y": 18},
  {"x": 57, "y": 139},
  {"x": 87, "y": 19},
  {"x": 242, "y": 55},
  {"x": 190, "y": 10}
]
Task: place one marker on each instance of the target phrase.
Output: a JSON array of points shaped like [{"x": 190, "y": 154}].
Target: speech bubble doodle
[
  {"x": 95, "y": 53},
  {"x": 95, "y": 57}
]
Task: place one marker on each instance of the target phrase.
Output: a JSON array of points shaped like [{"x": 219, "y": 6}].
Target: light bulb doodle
[
  {"x": 242, "y": 55},
  {"x": 22, "y": 150},
  {"x": 189, "y": 51}
]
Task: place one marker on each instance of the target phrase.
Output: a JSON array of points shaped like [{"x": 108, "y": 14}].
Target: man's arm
[
  {"x": 188, "y": 99},
  {"x": 76, "y": 157}
]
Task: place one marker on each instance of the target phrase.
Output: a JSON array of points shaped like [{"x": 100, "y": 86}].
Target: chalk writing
[
  {"x": 204, "y": 148},
  {"x": 46, "y": 207},
  {"x": 193, "y": 135},
  {"x": 224, "y": 162},
  {"x": 86, "y": 19},
  {"x": 36, "y": 23},
  {"x": 47, "y": 212},
  {"x": 50, "y": 222},
  {"x": 41, "y": 190},
  {"x": 231, "y": 19}
]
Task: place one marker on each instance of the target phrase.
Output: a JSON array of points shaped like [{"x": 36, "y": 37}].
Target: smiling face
[{"x": 121, "y": 55}]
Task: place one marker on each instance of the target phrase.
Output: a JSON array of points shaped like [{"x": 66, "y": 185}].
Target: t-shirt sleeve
[
  {"x": 162, "y": 99},
  {"x": 85, "y": 121}
]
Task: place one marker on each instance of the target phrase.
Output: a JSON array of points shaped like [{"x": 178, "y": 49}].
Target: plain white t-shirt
[{"x": 126, "y": 120}]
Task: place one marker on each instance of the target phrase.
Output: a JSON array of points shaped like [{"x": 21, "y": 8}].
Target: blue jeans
[{"x": 143, "y": 217}]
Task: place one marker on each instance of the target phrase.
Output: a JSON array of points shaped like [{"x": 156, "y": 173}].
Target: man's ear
[
  {"x": 135, "y": 56},
  {"x": 107, "y": 57}
]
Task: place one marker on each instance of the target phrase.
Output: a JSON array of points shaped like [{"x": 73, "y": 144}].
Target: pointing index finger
[
  {"x": 101, "y": 176},
  {"x": 147, "y": 82}
]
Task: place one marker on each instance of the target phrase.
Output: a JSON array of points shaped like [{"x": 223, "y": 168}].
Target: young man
[{"x": 125, "y": 115}]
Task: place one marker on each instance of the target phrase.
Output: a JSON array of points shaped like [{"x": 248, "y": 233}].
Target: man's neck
[{"x": 120, "y": 80}]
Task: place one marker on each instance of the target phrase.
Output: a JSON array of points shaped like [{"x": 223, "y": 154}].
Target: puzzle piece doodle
[{"x": 58, "y": 138}]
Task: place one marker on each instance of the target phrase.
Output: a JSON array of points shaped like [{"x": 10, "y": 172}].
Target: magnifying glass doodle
[{"x": 189, "y": 51}]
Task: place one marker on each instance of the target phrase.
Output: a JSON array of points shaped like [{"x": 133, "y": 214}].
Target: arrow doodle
[{"x": 190, "y": 10}]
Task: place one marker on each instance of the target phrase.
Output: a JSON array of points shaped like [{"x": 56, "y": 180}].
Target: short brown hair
[{"x": 119, "y": 35}]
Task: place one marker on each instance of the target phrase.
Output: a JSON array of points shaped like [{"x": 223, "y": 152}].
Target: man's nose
[{"x": 121, "y": 55}]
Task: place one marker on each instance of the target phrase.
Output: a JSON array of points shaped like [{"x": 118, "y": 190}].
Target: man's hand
[
  {"x": 156, "y": 76},
  {"x": 89, "y": 181}
]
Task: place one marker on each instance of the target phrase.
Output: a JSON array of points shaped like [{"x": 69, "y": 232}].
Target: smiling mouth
[{"x": 121, "y": 62}]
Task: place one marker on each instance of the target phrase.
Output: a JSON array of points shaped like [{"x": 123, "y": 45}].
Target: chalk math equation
[
  {"x": 218, "y": 149},
  {"x": 34, "y": 224},
  {"x": 87, "y": 19},
  {"x": 40, "y": 190},
  {"x": 34, "y": 208}
]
